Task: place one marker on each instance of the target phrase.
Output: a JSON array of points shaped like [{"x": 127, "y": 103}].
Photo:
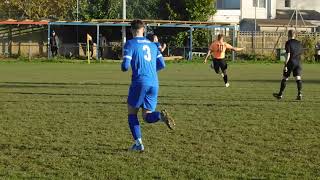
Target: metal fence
[
  {"x": 267, "y": 42},
  {"x": 79, "y": 51}
]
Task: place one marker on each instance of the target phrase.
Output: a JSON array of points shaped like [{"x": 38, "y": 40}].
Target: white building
[
  {"x": 269, "y": 13},
  {"x": 233, "y": 11},
  {"x": 299, "y": 4}
]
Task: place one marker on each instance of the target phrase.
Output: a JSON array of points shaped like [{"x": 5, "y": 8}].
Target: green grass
[{"x": 68, "y": 121}]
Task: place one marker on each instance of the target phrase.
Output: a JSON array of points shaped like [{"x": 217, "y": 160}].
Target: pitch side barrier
[{"x": 190, "y": 25}]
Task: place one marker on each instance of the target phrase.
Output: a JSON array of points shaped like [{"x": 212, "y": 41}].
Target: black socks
[
  {"x": 283, "y": 86},
  {"x": 299, "y": 86}
]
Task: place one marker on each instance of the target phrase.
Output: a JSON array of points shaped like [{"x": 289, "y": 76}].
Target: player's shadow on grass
[
  {"x": 313, "y": 81},
  {"x": 71, "y": 85},
  {"x": 118, "y": 103},
  {"x": 93, "y": 95},
  {"x": 69, "y": 94},
  {"x": 53, "y": 84}
]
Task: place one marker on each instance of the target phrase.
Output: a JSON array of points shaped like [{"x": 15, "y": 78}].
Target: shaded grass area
[{"x": 66, "y": 121}]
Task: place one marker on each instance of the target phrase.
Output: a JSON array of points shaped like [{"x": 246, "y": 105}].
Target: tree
[
  {"x": 38, "y": 9},
  {"x": 143, "y": 9},
  {"x": 200, "y": 10},
  {"x": 101, "y": 9},
  {"x": 188, "y": 10},
  {"x": 112, "y": 9}
]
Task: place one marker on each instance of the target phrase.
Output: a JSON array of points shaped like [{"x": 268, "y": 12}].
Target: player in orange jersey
[{"x": 218, "y": 51}]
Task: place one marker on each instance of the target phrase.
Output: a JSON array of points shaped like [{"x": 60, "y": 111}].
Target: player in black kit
[{"x": 292, "y": 64}]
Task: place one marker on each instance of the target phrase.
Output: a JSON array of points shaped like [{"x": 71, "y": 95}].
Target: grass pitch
[{"x": 68, "y": 121}]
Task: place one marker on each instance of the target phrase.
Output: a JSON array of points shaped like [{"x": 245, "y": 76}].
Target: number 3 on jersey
[{"x": 147, "y": 51}]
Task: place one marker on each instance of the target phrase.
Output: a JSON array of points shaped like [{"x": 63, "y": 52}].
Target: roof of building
[
  {"x": 306, "y": 14},
  {"x": 23, "y": 22},
  {"x": 279, "y": 23},
  {"x": 121, "y": 22}
]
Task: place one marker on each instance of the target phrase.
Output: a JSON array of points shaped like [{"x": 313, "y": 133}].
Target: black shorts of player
[
  {"x": 219, "y": 64},
  {"x": 294, "y": 68}
]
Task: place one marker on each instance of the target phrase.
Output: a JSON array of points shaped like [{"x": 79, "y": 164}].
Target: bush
[
  {"x": 256, "y": 57},
  {"x": 308, "y": 44},
  {"x": 200, "y": 38}
]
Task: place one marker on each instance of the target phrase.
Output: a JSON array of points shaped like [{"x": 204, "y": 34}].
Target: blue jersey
[
  {"x": 145, "y": 60},
  {"x": 158, "y": 45}
]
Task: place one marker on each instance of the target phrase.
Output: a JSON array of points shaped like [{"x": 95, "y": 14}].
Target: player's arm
[
  {"x": 237, "y": 49},
  {"x": 209, "y": 53},
  {"x": 160, "y": 61},
  {"x": 127, "y": 57},
  {"x": 233, "y": 48},
  {"x": 162, "y": 48}
]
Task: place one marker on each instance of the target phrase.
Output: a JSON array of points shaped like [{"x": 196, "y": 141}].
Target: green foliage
[
  {"x": 189, "y": 10},
  {"x": 38, "y": 9},
  {"x": 200, "y": 10},
  {"x": 200, "y": 38},
  {"x": 101, "y": 9},
  {"x": 142, "y": 9},
  {"x": 256, "y": 57},
  {"x": 308, "y": 43},
  {"x": 112, "y": 9},
  {"x": 195, "y": 10}
]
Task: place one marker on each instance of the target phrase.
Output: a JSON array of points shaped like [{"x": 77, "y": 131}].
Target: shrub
[{"x": 308, "y": 43}]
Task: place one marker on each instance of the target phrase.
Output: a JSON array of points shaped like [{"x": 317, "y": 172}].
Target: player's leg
[
  {"x": 149, "y": 113},
  {"x": 91, "y": 53},
  {"x": 297, "y": 75},
  {"x": 135, "y": 100},
  {"x": 135, "y": 129},
  {"x": 224, "y": 67},
  {"x": 216, "y": 66},
  {"x": 283, "y": 84},
  {"x": 53, "y": 51}
]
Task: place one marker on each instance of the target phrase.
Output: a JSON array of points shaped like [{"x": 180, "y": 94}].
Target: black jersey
[{"x": 294, "y": 47}]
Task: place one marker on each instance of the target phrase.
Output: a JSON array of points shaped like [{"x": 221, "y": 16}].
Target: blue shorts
[{"x": 143, "y": 96}]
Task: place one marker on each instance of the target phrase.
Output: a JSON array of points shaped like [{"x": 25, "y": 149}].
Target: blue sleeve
[
  {"x": 158, "y": 44},
  {"x": 160, "y": 61},
  {"x": 127, "y": 57}
]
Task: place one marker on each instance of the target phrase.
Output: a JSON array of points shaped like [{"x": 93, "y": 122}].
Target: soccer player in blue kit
[{"x": 145, "y": 60}]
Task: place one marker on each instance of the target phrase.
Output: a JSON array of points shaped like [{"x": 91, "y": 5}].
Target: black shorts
[
  {"x": 219, "y": 64},
  {"x": 295, "y": 68}
]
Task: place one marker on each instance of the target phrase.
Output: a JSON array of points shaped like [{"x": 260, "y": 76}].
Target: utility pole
[
  {"x": 77, "y": 10},
  {"x": 296, "y": 11},
  {"x": 255, "y": 26},
  {"x": 124, "y": 14}
]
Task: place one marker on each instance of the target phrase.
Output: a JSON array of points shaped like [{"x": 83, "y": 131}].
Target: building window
[
  {"x": 219, "y": 4},
  {"x": 259, "y": 3},
  {"x": 255, "y": 3},
  {"x": 262, "y": 3},
  {"x": 228, "y": 4},
  {"x": 287, "y": 3}
]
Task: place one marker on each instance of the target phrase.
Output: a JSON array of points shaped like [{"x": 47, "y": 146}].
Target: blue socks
[
  {"x": 153, "y": 117},
  {"x": 135, "y": 128}
]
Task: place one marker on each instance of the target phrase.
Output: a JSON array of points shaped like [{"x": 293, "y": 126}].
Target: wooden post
[
  {"x": 252, "y": 42},
  {"x": 263, "y": 41},
  {"x": 238, "y": 39},
  {"x": 29, "y": 50}
]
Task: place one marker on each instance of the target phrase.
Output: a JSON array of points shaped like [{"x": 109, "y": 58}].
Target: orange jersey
[{"x": 218, "y": 49}]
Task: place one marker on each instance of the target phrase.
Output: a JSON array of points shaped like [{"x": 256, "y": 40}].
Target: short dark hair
[
  {"x": 137, "y": 24},
  {"x": 291, "y": 33},
  {"x": 220, "y": 36}
]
